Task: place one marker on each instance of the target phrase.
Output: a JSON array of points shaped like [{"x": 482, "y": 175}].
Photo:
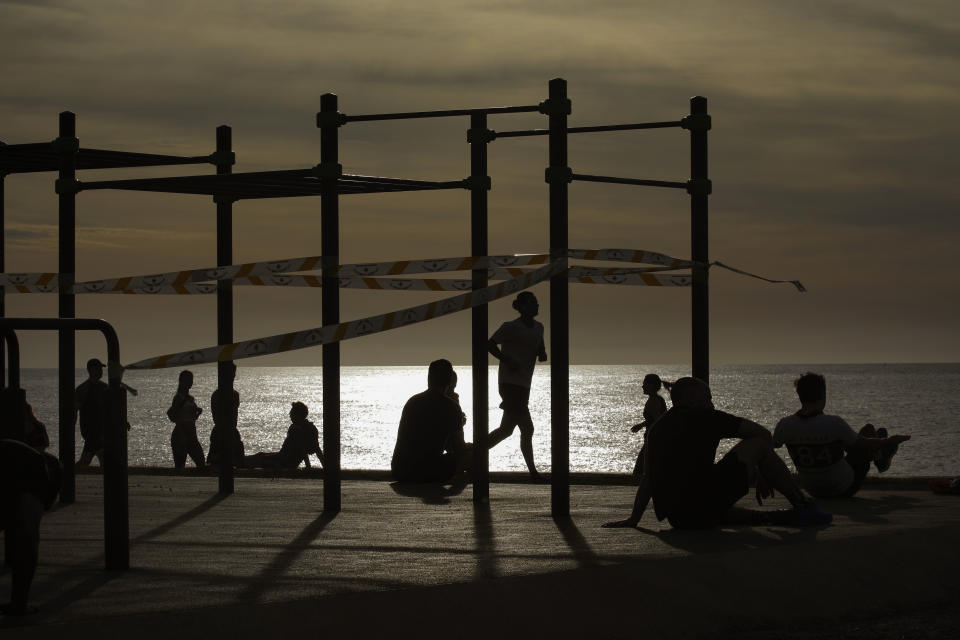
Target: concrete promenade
[{"x": 265, "y": 562}]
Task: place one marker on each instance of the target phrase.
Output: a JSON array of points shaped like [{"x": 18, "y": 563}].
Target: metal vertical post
[
  {"x": 699, "y": 188},
  {"x": 3, "y": 308},
  {"x": 558, "y": 176},
  {"x": 67, "y": 146},
  {"x": 116, "y": 504},
  {"x": 479, "y": 136},
  {"x": 224, "y": 163},
  {"x": 330, "y": 171}
]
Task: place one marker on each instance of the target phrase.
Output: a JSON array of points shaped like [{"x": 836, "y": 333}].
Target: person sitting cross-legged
[{"x": 692, "y": 492}]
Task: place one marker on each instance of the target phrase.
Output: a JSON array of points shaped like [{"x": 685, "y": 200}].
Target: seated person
[
  {"x": 302, "y": 439},
  {"x": 430, "y": 445},
  {"x": 692, "y": 492},
  {"x": 831, "y": 458},
  {"x": 29, "y": 482}
]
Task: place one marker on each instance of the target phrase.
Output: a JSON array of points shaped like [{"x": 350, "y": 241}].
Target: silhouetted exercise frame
[
  {"x": 328, "y": 181},
  {"x": 116, "y": 509}
]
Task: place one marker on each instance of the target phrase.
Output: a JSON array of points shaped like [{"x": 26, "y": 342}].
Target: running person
[{"x": 518, "y": 344}]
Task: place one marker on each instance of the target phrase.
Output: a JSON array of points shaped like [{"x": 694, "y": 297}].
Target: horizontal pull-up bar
[
  {"x": 634, "y": 181},
  {"x": 605, "y": 127},
  {"x": 432, "y": 114}
]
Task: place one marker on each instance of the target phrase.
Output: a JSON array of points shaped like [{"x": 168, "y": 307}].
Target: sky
[{"x": 833, "y": 157}]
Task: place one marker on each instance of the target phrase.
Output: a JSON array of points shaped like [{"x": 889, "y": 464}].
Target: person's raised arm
[{"x": 750, "y": 429}]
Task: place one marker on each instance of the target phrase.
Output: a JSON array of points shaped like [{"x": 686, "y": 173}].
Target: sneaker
[
  {"x": 809, "y": 514},
  {"x": 886, "y": 453}
]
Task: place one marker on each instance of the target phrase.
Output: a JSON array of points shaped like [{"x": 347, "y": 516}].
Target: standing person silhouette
[
  {"x": 90, "y": 406},
  {"x": 655, "y": 407},
  {"x": 225, "y": 412},
  {"x": 183, "y": 412},
  {"x": 29, "y": 482},
  {"x": 518, "y": 344}
]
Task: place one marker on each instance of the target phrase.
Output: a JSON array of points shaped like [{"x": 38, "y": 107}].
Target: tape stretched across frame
[
  {"x": 353, "y": 329},
  {"x": 178, "y": 280}
]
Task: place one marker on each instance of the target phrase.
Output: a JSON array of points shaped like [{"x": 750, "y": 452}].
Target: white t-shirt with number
[
  {"x": 817, "y": 445},
  {"x": 523, "y": 344}
]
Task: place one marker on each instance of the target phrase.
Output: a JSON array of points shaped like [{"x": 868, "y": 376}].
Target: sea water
[{"x": 605, "y": 400}]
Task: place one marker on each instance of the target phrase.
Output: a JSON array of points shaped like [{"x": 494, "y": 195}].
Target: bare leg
[
  {"x": 507, "y": 424},
  {"x": 526, "y": 444}
]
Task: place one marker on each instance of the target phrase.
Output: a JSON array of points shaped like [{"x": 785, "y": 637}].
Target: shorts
[
  {"x": 514, "y": 398},
  {"x": 439, "y": 469},
  {"x": 727, "y": 482}
]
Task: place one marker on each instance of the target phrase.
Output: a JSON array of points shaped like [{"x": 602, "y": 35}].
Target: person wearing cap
[
  {"x": 90, "y": 406},
  {"x": 302, "y": 441}
]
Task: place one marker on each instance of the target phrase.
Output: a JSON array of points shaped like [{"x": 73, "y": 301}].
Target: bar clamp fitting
[
  {"x": 555, "y": 107},
  {"x": 697, "y": 123},
  {"x": 477, "y": 183},
  {"x": 699, "y": 187},
  {"x": 558, "y": 175},
  {"x": 222, "y": 158},
  {"x": 331, "y": 119},
  {"x": 328, "y": 170},
  {"x": 481, "y": 136},
  {"x": 66, "y": 144},
  {"x": 65, "y": 187}
]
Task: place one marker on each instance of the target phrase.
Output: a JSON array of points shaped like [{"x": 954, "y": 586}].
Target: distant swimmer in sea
[
  {"x": 225, "y": 413},
  {"x": 430, "y": 446},
  {"x": 518, "y": 345},
  {"x": 655, "y": 407},
  {"x": 29, "y": 482},
  {"x": 183, "y": 413},
  {"x": 831, "y": 458},
  {"x": 302, "y": 441},
  {"x": 690, "y": 490}
]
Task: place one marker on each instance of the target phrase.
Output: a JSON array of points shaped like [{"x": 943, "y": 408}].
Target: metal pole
[
  {"x": 478, "y": 137},
  {"x": 330, "y": 172},
  {"x": 116, "y": 505},
  {"x": 3, "y": 226},
  {"x": 558, "y": 176},
  {"x": 225, "y": 314},
  {"x": 699, "y": 192},
  {"x": 67, "y": 146}
]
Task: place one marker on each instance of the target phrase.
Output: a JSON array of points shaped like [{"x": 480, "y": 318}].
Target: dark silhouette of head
[
  {"x": 95, "y": 368},
  {"x": 811, "y": 387},
  {"x": 230, "y": 369},
  {"x": 298, "y": 411},
  {"x": 652, "y": 383},
  {"x": 526, "y": 304},
  {"x": 185, "y": 381},
  {"x": 439, "y": 374},
  {"x": 691, "y": 393}
]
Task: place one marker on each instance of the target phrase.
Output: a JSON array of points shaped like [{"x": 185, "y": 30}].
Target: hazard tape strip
[
  {"x": 795, "y": 283},
  {"x": 408, "y": 284},
  {"x": 647, "y": 276},
  {"x": 48, "y": 282},
  {"x": 353, "y": 329}
]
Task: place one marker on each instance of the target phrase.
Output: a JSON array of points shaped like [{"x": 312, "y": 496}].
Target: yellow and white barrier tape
[
  {"x": 353, "y": 329},
  {"x": 177, "y": 280}
]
